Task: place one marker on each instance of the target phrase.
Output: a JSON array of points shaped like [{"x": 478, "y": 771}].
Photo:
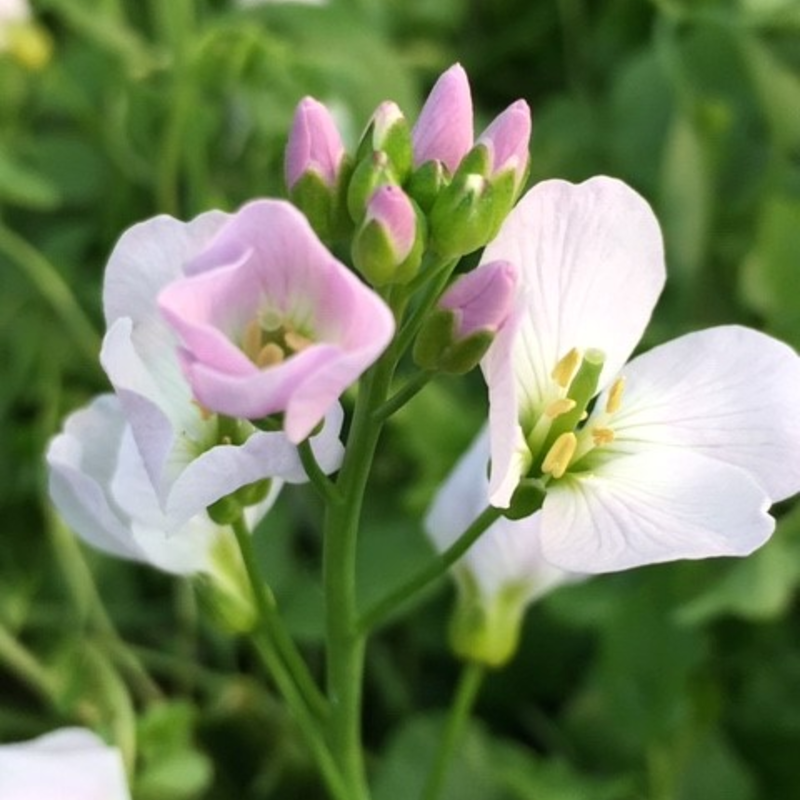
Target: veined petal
[
  {"x": 68, "y": 764},
  {"x": 729, "y": 393},
  {"x": 652, "y": 507},
  {"x": 592, "y": 267}
]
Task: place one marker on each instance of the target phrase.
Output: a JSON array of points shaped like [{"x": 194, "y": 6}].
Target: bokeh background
[{"x": 676, "y": 682}]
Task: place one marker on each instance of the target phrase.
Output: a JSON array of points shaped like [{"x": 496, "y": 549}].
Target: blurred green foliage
[{"x": 677, "y": 682}]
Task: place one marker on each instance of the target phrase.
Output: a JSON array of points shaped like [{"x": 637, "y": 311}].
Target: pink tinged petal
[
  {"x": 592, "y": 267},
  {"x": 391, "y": 208},
  {"x": 508, "y": 553},
  {"x": 314, "y": 144},
  {"x": 650, "y": 508},
  {"x": 482, "y": 299},
  {"x": 68, "y": 764},
  {"x": 728, "y": 393},
  {"x": 268, "y": 259},
  {"x": 508, "y": 139},
  {"x": 443, "y": 131}
]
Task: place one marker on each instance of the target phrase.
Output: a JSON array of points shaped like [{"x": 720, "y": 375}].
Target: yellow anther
[
  {"x": 602, "y": 436},
  {"x": 270, "y": 355},
  {"x": 566, "y": 368},
  {"x": 559, "y": 407},
  {"x": 614, "y": 401},
  {"x": 560, "y": 454},
  {"x": 252, "y": 339},
  {"x": 205, "y": 414},
  {"x": 296, "y": 341}
]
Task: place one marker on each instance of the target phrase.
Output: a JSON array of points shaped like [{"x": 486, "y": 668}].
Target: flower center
[
  {"x": 561, "y": 436},
  {"x": 268, "y": 342}
]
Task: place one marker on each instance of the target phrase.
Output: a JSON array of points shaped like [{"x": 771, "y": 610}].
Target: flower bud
[
  {"x": 457, "y": 333},
  {"x": 373, "y": 171},
  {"x": 426, "y": 183},
  {"x": 507, "y": 140},
  {"x": 463, "y": 216},
  {"x": 444, "y": 127},
  {"x": 388, "y": 246},
  {"x": 315, "y": 163},
  {"x": 388, "y": 132}
]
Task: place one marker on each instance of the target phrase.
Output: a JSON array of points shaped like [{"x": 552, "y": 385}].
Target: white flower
[
  {"x": 501, "y": 574},
  {"x": 192, "y": 458},
  {"x": 68, "y": 764},
  {"x": 687, "y": 446}
]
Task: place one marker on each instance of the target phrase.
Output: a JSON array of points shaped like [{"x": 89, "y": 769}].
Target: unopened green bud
[
  {"x": 388, "y": 132},
  {"x": 462, "y": 218},
  {"x": 426, "y": 183},
  {"x": 371, "y": 172}
]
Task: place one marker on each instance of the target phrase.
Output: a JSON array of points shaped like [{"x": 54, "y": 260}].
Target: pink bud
[
  {"x": 391, "y": 208},
  {"x": 444, "y": 128},
  {"x": 508, "y": 139},
  {"x": 482, "y": 299},
  {"x": 314, "y": 144}
]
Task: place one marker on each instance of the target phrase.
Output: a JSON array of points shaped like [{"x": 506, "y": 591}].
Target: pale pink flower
[
  {"x": 685, "y": 448},
  {"x": 390, "y": 208},
  {"x": 271, "y": 322},
  {"x": 68, "y": 764},
  {"x": 507, "y": 139},
  {"x": 192, "y": 457}
]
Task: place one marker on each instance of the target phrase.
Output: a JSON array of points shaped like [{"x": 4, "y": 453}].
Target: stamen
[
  {"x": 559, "y": 407},
  {"x": 564, "y": 371},
  {"x": 560, "y": 454},
  {"x": 205, "y": 414},
  {"x": 601, "y": 436},
  {"x": 270, "y": 355},
  {"x": 614, "y": 401},
  {"x": 296, "y": 341},
  {"x": 251, "y": 341}
]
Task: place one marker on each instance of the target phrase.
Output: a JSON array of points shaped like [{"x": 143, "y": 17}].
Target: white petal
[
  {"x": 507, "y": 553},
  {"x": 69, "y": 764},
  {"x": 592, "y": 267},
  {"x": 729, "y": 393},
  {"x": 147, "y": 257},
  {"x": 652, "y": 507}
]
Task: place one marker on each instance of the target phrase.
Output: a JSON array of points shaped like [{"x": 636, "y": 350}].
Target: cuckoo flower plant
[
  {"x": 685, "y": 447},
  {"x": 314, "y": 145},
  {"x": 68, "y": 764},
  {"x": 192, "y": 457},
  {"x": 271, "y": 322}
]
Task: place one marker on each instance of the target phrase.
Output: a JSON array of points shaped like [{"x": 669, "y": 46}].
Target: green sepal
[
  {"x": 526, "y": 500},
  {"x": 435, "y": 336},
  {"x": 226, "y": 510},
  {"x": 475, "y": 162},
  {"x": 395, "y": 143},
  {"x": 426, "y": 183},
  {"x": 483, "y": 630},
  {"x": 464, "y": 355},
  {"x": 316, "y": 200},
  {"x": 373, "y": 253},
  {"x": 370, "y": 173},
  {"x": 462, "y": 219},
  {"x": 253, "y": 493}
]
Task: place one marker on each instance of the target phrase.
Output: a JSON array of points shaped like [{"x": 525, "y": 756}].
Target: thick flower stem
[
  {"x": 289, "y": 659},
  {"x": 403, "y": 395},
  {"x": 384, "y": 608},
  {"x": 345, "y": 643},
  {"x": 466, "y": 693}
]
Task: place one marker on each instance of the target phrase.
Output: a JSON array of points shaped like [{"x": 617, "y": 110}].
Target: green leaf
[{"x": 25, "y": 187}]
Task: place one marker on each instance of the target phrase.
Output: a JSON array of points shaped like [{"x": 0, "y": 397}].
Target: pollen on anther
[
  {"x": 296, "y": 341},
  {"x": 614, "y": 402},
  {"x": 565, "y": 370},
  {"x": 270, "y": 355},
  {"x": 560, "y": 454},
  {"x": 601, "y": 436},
  {"x": 558, "y": 407},
  {"x": 252, "y": 339}
]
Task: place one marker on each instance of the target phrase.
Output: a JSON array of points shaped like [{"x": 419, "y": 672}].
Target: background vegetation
[{"x": 678, "y": 682}]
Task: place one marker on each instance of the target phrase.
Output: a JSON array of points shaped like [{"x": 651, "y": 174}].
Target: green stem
[
  {"x": 322, "y": 483},
  {"x": 385, "y": 607},
  {"x": 54, "y": 289},
  {"x": 403, "y": 395},
  {"x": 345, "y": 643},
  {"x": 288, "y": 656},
  {"x": 26, "y": 667},
  {"x": 300, "y": 713},
  {"x": 466, "y": 693}
]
